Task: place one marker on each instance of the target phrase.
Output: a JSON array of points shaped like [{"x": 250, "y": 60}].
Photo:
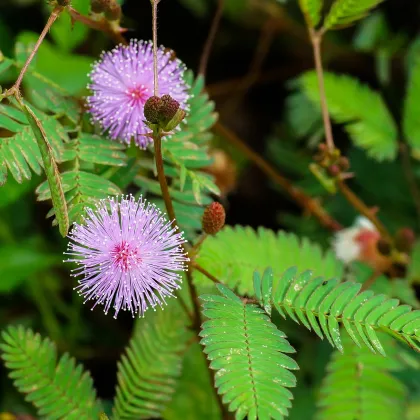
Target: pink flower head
[
  {"x": 122, "y": 81},
  {"x": 128, "y": 255}
]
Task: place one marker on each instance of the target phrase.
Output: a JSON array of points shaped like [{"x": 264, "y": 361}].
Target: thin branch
[
  {"x": 308, "y": 203},
  {"x": 14, "y": 90},
  {"x": 210, "y": 38},
  {"x": 202, "y": 270},
  {"x": 157, "y": 138},
  {"x": 316, "y": 39},
  {"x": 411, "y": 180},
  {"x": 370, "y": 281},
  {"x": 363, "y": 209},
  {"x": 103, "y": 25},
  {"x": 155, "y": 65}
]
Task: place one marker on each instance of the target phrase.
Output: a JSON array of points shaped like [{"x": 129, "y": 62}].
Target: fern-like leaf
[
  {"x": 411, "y": 123},
  {"x": 323, "y": 305},
  {"x": 187, "y": 149},
  {"x": 148, "y": 372},
  {"x": 311, "y": 9},
  {"x": 363, "y": 111},
  {"x": 59, "y": 390},
  {"x": 81, "y": 187},
  {"x": 360, "y": 385},
  {"x": 19, "y": 152},
  {"x": 345, "y": 12},
  {"x": 247, "y": 351},
  {"x": 236, "y": 252}
]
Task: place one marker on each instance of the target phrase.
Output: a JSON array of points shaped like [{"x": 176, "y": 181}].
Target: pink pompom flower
[
  {"x": 128, "y": 255},
  {"x": 122, "y": 81}
]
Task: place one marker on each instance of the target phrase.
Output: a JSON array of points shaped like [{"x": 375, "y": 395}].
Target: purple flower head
[
  {"x": 122, "y": 81},
  {"x": 128, "y": 255}
]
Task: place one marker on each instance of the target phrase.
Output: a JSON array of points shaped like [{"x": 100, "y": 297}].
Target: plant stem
[
  {"x": 363, "y": 209},
  {"x": 100, "y": 25},
  {"x": 316, "y": 39},
  {"x": 308, "y": 203},
  {"x": 210, "y": 38},
  {"x": 205, "y": 272},
  {"x": 411, "y": 180},
  {"x": 155, "y": 66},
  {"x": 157, "y": 138},
  {"x": 14, "y": 90}
]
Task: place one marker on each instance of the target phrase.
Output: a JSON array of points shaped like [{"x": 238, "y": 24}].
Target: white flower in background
[{"x": 351, "y": 243}]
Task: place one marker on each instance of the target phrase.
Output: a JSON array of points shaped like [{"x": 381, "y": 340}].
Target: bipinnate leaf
[
  {"x": 19, "y": 151},
  {"x": 51, "y": 170},
  {"x": 59, "y": 389},
  {"x": 360, "y": 385},
  {"x": 366, "y": 118},
  {"x": 149, "y": 369},
  {"x": 248, "y": 353},
  {"x": 236, "y": 252},
  {"x": 311, "y": 9},
  {"x": 346, "y": 12},
  {"x": 324, "y": 305}
]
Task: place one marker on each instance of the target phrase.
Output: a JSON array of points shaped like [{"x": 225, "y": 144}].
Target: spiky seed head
[
  {"x": 152, "y": 109},
  {"x": 99, "y": 6},
  {"x": 213, "y": 218},
  {"x": 169, "y": 108},
  {"x": 113, "y": 11},
  {"x": 343, "y": 163},
  {"x": 334, "y": 170},
  {"x": 404, "y": 239}
]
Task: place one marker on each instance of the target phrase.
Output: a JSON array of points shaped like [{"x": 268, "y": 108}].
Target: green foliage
[
  {"x": 20, "y": 262},
  {"x": 235, "y": 253},
  {"x": 366, "y": 117},
  {"x": 194, "y": 396},
  {"x": 359, "y": 385},
  {"x": 312, "y": 11},
  {"x": 148, "y": 372},
  {"x": 247, "y": 351},
  {"x": 51, "y": 170},
  {"x": 322, "y": 305},
  {"x": 70, "y": 71},
  {"x": 346, "y": 12},
  {"x": 187, "y": 149},
  {"x": 81, "y": 187},
  {"x": 186, "y": 154},
  {"x": 411, "y": 114},
  {"x": 57, "y": 389},
  {"x": 19, "y": 151}
]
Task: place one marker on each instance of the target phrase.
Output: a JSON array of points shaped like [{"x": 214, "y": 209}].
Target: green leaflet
[
  {"x": 187, "y": 149},
  {"x": 81, "y": 187},
  {"x": 411, "y": 122},
  {"x": 248, "y": 353},
  {"x": 346, "y": 12},
  {"x": 236, "y": 252},
  {"x": 323, "y": 305},
  {"x": 366, "y": 117},
  {"x": 312, "y": 11},
  {"x": 58, "y": 389},
  {"x": 360, "y": 385},
  {"x": 148, "y": 372},
  {"x": 19, "y": 153},
  {"x": 51, "y": 170}
]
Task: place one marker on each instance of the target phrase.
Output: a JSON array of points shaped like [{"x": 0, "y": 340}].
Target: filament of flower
[{"x": 125, "y": 256}]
